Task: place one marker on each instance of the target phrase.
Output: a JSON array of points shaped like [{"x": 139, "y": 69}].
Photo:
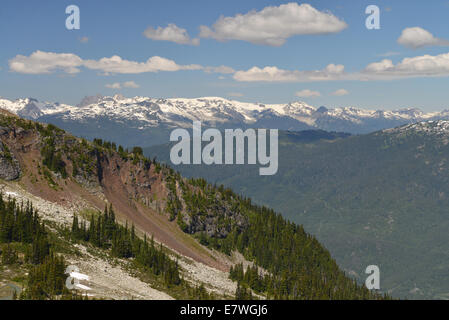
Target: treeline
[
  {"x": 103, "y": 231},
  {"x": 123, "y": 152},
  {"x": 20, "y": 224}
]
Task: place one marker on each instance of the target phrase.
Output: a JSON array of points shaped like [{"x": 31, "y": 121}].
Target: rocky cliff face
[
  {"x": 9, "y": 166},
  {"x": 215, "y": 217}
]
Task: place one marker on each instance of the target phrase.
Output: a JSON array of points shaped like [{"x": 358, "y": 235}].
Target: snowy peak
[
  {"x": 146, "y": 112},
  {"x": 438, "y": 128}
]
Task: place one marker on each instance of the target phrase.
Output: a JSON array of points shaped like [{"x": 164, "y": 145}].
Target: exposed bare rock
[{"x": 9, "y": 166}]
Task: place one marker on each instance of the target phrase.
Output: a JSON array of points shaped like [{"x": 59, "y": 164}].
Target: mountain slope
[
  {"x": 192, "y": 218},
  {"x": 148, "y": 121},
  {"x": 380, "y": 198}
]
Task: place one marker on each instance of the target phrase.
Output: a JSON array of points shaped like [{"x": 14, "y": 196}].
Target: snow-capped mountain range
[
  {"x": 432, "y": 128},
  {"x": 102, "y": 116}
]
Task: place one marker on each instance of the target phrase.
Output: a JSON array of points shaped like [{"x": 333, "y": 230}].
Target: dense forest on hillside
[
  {"x": 298, "y": 266},
  {"x": 377, "y": 199}
]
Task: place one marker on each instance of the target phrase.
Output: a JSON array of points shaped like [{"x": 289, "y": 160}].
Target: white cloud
[
  {"x": 377, "y": 67},
  {"x": 130, "y": 84},
  {"x": 274, "y": 25},
  {"x": 170, "y": 33},
  {"x": 47, "y": 62},
  {"x": 118, "y": 85},
  {"x": 116, "y": 64},
  {"x": 268, "y": 74},
  {"x": 334, "y": 69},
  {"x": 115, "y": 85},
  {"x": 306, "y": 93},
  {"x": 274, "y": 74},
  {"x": 40, "y": 62},
  {"x": 420, "y": 66},
  {"x": 417, "y": 37},
  {"x": 340, "y": 92}
]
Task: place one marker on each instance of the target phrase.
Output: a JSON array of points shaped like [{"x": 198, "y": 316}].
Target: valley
[{"x": 379, "y": 198}]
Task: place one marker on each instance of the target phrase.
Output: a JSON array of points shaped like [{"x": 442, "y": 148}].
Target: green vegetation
[
  {"x": 298, "y": 266},
  {"x": 52, "y": 159},
  {"x": 21, "y": 230},
  {"x": 122, "y": 242},
  {"x": 25, "y": 241},
  {"x": 105, "y": 232},
  {"x": 5, "y": 153},
  {"x": 371, "y": 199}
]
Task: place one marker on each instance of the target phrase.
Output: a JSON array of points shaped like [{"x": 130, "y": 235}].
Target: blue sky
[{"x": 116, "y": 28}]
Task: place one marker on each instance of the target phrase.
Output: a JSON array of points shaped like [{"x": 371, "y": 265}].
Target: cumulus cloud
[
  {"x": 40, "y": 62},
  {"x": 115, "y": 85},
  {"x": 274, "y": 74},
  {"x": 116, "y": 64},
  {"x": 340, "y": 92},
  {"x": 118, "y": 85},
  {"x": 417, "y": 37},
  {"x": 267, "y": 74},
  {"x": 171, "y": 33},
  {"x": 306, "y": 93},
  {"x": 130, "y": 84},
  {"x": 420, "y": 66},
  {"x": 47, "y": 62},
  {"x": 414, "y": 67},
  {"x": 274, "y": 25},
  {"x": 377, "y": 67}
]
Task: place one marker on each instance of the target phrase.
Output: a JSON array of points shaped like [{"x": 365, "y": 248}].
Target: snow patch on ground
[{"x": 112, "y": 281}]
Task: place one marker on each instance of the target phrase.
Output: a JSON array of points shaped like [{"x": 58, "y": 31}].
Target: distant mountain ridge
[{"x": 139, "y": 118}]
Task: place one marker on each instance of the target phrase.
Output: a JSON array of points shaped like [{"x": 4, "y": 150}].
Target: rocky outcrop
[
  {"x": 9, "y": 166},
  {"x": 216, "y": 220}
]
